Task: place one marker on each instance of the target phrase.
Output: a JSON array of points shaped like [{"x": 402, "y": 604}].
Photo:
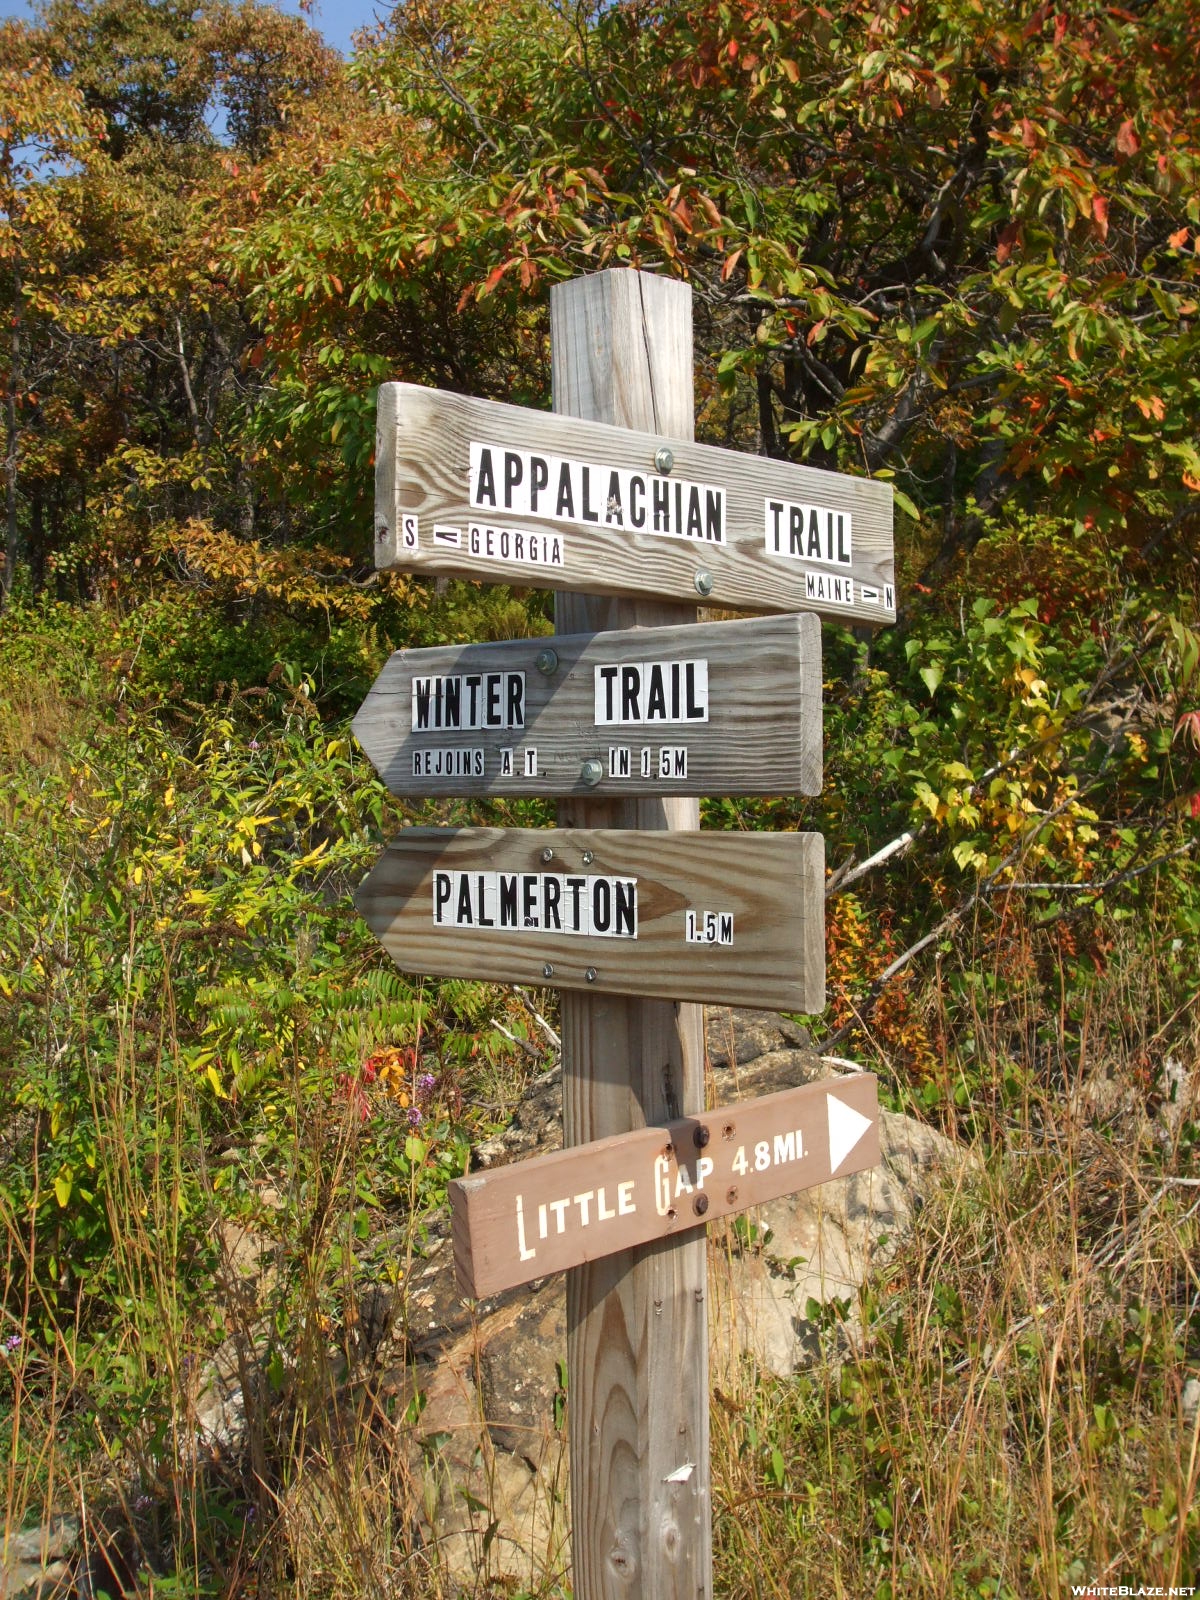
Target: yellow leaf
[
  {"x": 62, "y": 1186},
  {"x": 214, "y": 1077}
]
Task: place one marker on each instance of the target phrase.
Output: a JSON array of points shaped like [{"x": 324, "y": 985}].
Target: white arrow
[{"x": 846, "y": 1128}]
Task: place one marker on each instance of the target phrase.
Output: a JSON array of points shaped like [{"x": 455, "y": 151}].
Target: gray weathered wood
[
  {"x": 425, "y": 518},
  {"x": 637, "y": 1334},
  {"x": 760, "y": 732},
  {"x": 607, "y": 910},
  {"x": 552, "y": 1212}
]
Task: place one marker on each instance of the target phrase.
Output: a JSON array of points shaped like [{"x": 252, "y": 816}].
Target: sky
[{"x": 336, "y": 19}]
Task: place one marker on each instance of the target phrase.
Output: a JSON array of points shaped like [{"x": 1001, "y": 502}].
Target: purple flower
[
  {"x": 254, "y": 745},
  {"x": 414, "y": 1117},
  {"x": 425, "y": 1084}
]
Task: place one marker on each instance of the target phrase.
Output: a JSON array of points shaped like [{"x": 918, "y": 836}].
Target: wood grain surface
[
  {"x": 517, "y": 1223},
  {"x": 434, "y": 902},
  {"x": 424, "y": 514},
  {"x": 760, "y": 733},
  {"x": 637, "y": 1321}
]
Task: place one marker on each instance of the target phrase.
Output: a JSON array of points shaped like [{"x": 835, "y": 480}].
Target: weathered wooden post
[{"x": 637, "y": 1340}]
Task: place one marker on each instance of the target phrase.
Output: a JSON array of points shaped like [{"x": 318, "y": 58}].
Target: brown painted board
[
  {"x": 556, "y": 1211},
  {"x": 731, "y": 918},
  {"x": 717, "y": 708},
  {"x": 481, "y": 489}
]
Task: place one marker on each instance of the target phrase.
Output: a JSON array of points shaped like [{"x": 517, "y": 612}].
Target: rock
[
  {"x": 1189, "y": 1401},
  {"x": 36, "y": 1564},
  {"x": 489, "y": 1434}
]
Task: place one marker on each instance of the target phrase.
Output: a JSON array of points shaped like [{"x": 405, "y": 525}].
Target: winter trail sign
[{"x": 712, "y": 708}]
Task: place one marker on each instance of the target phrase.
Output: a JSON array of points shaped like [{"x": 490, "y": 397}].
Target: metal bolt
[
  {"x": 590, "y": 974},
  {"x": 701, "y": 1137},
  {"x": 700, "y": 1204},
  {"x": 704, "y": 581},
  {"x": 731, "y": 1193},
  {"x": 591, "y": 773},
  {"x": 588, "y": 858},
  {"x": 548, "y": 970},
  {"x": 547, "y": 854},
  {"x": 664, "y": 459},
  {"x": 546, "y": 661}
]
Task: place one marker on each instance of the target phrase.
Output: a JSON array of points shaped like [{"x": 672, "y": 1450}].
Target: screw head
[
  {"x": 701, "y": 1137},
  {"x": 548, "y": 970},
  {"x": 664, "y": 459},
  {"x": 588, "y": 858},
  {"x": 700, "y": 1204},
  {"x": 591, "y": 974},
  {"x": 591, "y": 772},
  {"x": 704, "y": 581},
  {"x": 547, "y": 854},
  {"x": 546, "y": 661}
]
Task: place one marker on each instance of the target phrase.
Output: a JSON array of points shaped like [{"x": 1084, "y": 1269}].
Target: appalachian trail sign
[
  {"x": 626, "y": 715},
  {"x": 480, "y": 489}
]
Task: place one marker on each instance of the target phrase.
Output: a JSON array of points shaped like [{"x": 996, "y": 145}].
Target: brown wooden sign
[
  {"x": 735, "y": 919},
  {"x": 720, "y": 708},
  {"x": 480, "y": 489},
  {"x": 557, "y": 1211}
]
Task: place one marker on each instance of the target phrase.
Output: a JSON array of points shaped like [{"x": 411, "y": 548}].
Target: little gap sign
[
  {"x": 480, "y": 489},
  {"x": 552, "y": 1212},
  {"x": 716, "y": 708}
]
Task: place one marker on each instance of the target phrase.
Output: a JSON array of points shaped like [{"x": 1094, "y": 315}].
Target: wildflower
[
  {"x": 415, "y": 1118},
  {"x": 254, "y": 745},
  {"x": 13, "y": 1342},
  {"x": 425, "y": 1085}
]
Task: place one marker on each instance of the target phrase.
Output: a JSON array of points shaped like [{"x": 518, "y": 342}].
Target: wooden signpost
[
  {"x": 479, "y": 489},
  {"x": 735, "y": 918},
  {"x": 627, "y": 714},
  {"x": 715, "y": 708},
  {"x": 552, "y": 1212}
]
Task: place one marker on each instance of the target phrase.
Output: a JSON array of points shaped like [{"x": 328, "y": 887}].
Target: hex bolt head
[
  {"x": 704, "y": 581},
  {"x": 546, "y": 661},
  {"x": 664, "y": 459},
  {"x": 548, "y": 970},
  {"x": 547, "y": 854},
  {"x": 701, "y": 1137},
  {"x": 591, "y": 974},
  {"x": 591, "y": 773},
  {"x": 700, "y": 1204}
]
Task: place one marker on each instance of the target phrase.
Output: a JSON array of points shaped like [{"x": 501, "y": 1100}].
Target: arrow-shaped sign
[
  {"x": 523, "y": 1221},
  {"x": 846, "y": 1128}
]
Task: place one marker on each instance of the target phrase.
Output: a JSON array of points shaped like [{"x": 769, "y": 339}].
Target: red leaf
[
  {"x": 1196, "y": 805},
  {"x": 1029, "y": 136},
  {"x": 1009, "y": 236},
  {"x": 1178, "y": 239},
  {"x": 1128, "y": 142},
  {"x": 1100, "y": 213}
]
